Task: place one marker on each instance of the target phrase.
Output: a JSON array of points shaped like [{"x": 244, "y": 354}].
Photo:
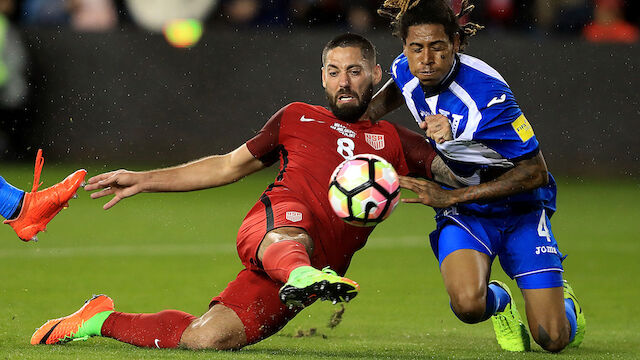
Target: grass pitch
[{"x": 159, "y": 251}]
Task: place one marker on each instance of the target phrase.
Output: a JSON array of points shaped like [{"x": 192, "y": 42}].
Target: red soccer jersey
[{"x": 310, "y": 143}]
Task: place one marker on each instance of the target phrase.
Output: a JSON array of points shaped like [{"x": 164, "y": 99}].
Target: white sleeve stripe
[
  {"x": 406, "y": 91},
  {"x": 481, "y": 66},
  {"x": 473, "y": 117}
]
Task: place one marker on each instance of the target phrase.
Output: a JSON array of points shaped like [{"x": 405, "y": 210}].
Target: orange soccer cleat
[
  {"x": 70, "y": 327},
  {"x": 40, "y": 207}
]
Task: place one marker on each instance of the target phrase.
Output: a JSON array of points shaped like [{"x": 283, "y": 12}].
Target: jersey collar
[{"x": 430, "y": 91}]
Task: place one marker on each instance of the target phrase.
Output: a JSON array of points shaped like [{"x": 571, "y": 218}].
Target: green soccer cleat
[
  {"x": 306, "y": 284},
  {"x": 511, "y": 333},
  {"x": 580, "y": 320}
]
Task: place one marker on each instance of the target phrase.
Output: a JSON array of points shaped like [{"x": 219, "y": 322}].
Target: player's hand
[
  {"x": 429, "y": 193},
  {"x": 121, "y": 183},
  {"x": 437, "y": 127}
]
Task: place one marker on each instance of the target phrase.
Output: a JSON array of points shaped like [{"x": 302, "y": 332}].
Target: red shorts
[{"x": 253, "y": 296}]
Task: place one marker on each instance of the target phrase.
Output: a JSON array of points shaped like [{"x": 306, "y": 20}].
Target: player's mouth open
[
  {"x": 345, "y": 98},
  {"x": 427, "y": 72}
]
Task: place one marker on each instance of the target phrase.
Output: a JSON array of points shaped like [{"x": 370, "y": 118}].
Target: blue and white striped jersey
[{"x": 490, "y": 132}]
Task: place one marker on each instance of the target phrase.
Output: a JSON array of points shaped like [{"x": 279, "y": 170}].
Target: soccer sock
[
  {"x": 161, "y": 330},
  {"x": 92, "y": 326},
  {"x": 570, "y": 309},
  {"x": 283, "y": 257},
  {"x": 497, "y": 300},
  {"x": 10, "y": 198}
]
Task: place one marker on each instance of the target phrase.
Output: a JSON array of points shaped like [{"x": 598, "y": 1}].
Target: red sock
[
  {"x": 161, "y": 330},
  {"x": 282, "y": 257}
]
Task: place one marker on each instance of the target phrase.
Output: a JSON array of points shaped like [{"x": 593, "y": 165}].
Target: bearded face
[{"x": 349, "y": 106}]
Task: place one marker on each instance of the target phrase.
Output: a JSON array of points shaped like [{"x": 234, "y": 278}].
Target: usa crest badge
[
  {"x": 375, "y": 140},
  {"x": 293, "y": 216}
]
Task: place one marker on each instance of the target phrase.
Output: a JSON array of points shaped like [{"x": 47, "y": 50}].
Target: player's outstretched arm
[
  {"x": 527, "y": 175},
  {"x": 387, "y": 99},
  {"x": 208, "y": 172}
]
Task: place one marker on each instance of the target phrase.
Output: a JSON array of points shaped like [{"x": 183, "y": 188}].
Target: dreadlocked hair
[{"x": 405, "y": 13}]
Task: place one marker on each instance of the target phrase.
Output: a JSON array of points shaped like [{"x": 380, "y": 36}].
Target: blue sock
[
  {"x": 570, "y": 309},
  {"x": 497, "y": 300},
  {"x": 10, "y": 198}
]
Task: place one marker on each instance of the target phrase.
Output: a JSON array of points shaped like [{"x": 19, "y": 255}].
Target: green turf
[{"x": 158, "y": 251}]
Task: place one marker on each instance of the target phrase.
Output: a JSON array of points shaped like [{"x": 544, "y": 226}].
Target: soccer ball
[{"x": 364, "y": 190}]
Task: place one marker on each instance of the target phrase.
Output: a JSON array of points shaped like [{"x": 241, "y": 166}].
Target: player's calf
[{"x": 565, "y": 328}]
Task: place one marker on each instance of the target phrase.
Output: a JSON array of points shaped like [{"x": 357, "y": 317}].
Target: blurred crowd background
[
  {"x": 96, "y": 80},
  {"x": 596, "y": 20}
]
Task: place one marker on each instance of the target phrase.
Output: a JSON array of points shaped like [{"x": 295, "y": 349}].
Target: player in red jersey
[{"x": 291, "y": 232}]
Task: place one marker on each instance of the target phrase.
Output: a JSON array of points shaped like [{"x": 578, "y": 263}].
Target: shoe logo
[
  {"x": 305, "y": 119},
  {"x": 46, "y": 336},
  {"x": 497, "y": 100},
  {"x": 157, "y": 343},
  {"x": 293, "y": 216}
]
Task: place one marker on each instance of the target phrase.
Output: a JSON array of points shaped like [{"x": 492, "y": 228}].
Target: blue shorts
[{"x": 523, "y": 242}]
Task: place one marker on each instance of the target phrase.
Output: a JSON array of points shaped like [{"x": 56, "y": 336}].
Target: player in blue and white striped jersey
[{"x": 507, "y": 197}]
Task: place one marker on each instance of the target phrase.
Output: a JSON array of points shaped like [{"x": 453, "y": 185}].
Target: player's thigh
[
  {"x": 546, "y": 316},
  {"x": 253, "y": 297},
  {"x": 278, "y": 215},
  {"x": 465, "y": 268}
]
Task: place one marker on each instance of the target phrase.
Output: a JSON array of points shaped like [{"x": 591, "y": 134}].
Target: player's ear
[
  {"x": 456, "y": 43},
  {"x": 324, "y": 82},
  {"x": 377, "y": 74}
]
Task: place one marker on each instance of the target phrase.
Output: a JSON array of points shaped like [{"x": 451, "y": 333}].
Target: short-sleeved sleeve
[
  {"x": 505, "y": 129},
  {"x": 265, "y": 145}
]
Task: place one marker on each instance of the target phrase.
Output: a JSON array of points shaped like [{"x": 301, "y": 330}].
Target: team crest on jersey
[
  {"x": 343, "y": 130},
  {"x": 375, "y": 140},
  {"x": 293, "y": 216}
]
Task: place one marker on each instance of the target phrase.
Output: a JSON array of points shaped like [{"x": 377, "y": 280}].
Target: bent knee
[
  {"x": 552, "y": 338},
  {"x": 469, "y": 306},
  {"x": 198, "y": 338}
]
